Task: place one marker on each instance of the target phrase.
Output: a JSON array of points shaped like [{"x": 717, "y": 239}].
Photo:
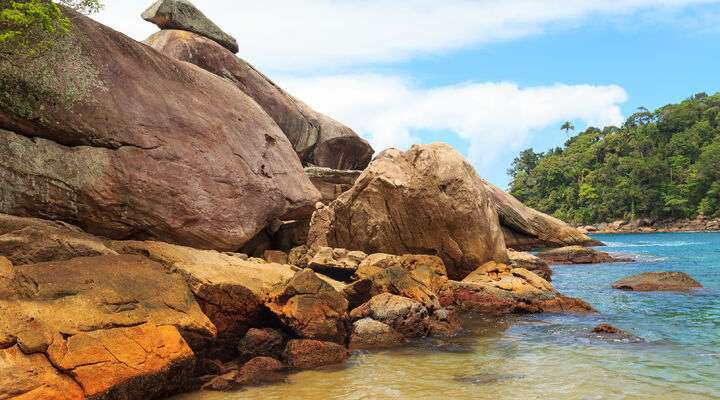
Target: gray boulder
[{"x": 183, "y": 15}]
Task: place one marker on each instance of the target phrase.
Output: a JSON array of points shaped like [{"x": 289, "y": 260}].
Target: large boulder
[
  {"x": 119, "y": 326},
  {"x": 427, "y": 200},
  {"x": 32, "y": 240},
  {"x": 531, "y": 263},
  {"x": 310, "y": 307},
  {"x": 182, "y": 14},
  {"x": 331, "y": 182},
  {"x": 162, "y": 149},
  {"x": 318, "y": 139},
  {"x": 657, "y": 281}
]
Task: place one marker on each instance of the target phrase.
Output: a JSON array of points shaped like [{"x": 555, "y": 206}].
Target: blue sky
[{"x": 490, "y": 78}]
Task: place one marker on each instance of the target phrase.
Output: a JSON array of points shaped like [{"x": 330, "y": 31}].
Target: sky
[{"x": 491, "y": 78}]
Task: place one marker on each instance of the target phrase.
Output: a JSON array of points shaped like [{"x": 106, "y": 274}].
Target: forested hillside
[{"x": 662, "y": 164}]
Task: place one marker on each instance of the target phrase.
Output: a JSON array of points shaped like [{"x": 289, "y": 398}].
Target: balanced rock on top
[{"x": 183, "y": 15}]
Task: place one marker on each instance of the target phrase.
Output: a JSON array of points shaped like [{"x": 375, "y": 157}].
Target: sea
[{"x": 673, "y": 353}]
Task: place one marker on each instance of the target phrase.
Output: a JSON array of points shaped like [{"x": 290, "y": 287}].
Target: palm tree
[{"x": 567, "y": 127}]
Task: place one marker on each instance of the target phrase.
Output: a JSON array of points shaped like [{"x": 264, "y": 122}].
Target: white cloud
[
  {"x": 494, "y": 118},
  {"x": 293, "y": 35}
]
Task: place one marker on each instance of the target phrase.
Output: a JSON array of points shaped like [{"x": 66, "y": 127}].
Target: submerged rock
[
  {"x": 317, "y": 139},
  {"x": 658, "y": 281},
  {"x": 368, "y": 333},
  {"x": 579, "y": 255},
  {"x": 183, "y": 15},
  {"x": 309, "y": 353},
  {"x": 609, "y": 332},
  {"x": 132, "y": 159}
]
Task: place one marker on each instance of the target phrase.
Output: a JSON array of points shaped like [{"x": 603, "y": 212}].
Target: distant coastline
[{"x": 646, "y": 225}]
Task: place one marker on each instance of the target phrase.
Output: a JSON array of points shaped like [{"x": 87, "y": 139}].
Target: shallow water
[{"x": 555, "y": 356}]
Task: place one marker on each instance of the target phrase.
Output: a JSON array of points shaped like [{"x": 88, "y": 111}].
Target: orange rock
[
  {"x": 308, "y": 353},
  {"x": 32, "y": 377}
]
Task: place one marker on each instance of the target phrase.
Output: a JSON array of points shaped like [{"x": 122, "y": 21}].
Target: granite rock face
[
  {"x": 579, "y": 255},
  {"x": 163, "y": 150},
  {"x": 531, "y": 263},
  {"x": 317, "y": 139},
  {"x": 183, "y": 15},
  {"x": 427, "y": 200}
]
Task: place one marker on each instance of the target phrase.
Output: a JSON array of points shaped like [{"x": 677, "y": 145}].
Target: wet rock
[
  {"x": 310, "y": 307},
  {"x": 317, "y": 139},
  {"x": 609, "y": 332},
  {"x": 427, "y": 200},
  {"x": 260, "y": 370},
  {"x": 309, "y": 353},
  {"x": 339, "y": 264},
  {"x": 407, "y": 317},
  {"x": 658, "y": 281},
  {"x": 578, "y": 255},
  {"x": 368, "y": 333},
  {"x": 170, "y": 118},
  {"x": 183, "y": 15},
  {"x": 531, "y": 263},
  {"x": 33, "y": 240},
  {"x": 266, "y": 342}
]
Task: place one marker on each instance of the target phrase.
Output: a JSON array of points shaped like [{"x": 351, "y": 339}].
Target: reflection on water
[{"x": 554, "y": 356}]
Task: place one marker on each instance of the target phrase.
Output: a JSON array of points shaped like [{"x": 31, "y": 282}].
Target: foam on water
[{"x": 554, "y": 356}]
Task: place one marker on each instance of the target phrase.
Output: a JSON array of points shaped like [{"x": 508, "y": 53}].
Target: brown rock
[
  {"x": 578, "y": 255},
  {"x": 368, "y": 333},
  {"x": 339, "y": 264},
  {"x": 394, "y": 280},
  {"x": 310, "y": 307},
  {"x": 31, "y": 377},
  {"x": 317, "y": 139},
  {"x": 230, "y": 289},
  {"x": 658, "y": 281},
  {"x": 133, "y": 161},
  {"x": 260, "y": 370},
  {"x": 427, "y": 200},
  {"x": 331, "y": 183},
  {"x": 309, "y": 353},
  {"x": 275, "y": 256},
  {"x": 266, "y": 342},
  {"x": 291, "y": 234},
  {"x": 531, "y": 263},
  {"x": 127, "y": 363},
  {"x": 407, "y": 317},
  {"x": 32, "y": 240}
]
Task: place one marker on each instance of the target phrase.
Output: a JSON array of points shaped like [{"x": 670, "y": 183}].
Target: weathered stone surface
[
  {"x": 578, "y": 255},
  {"x": 183, "y": 15},
  {"x": 275, "y": 256},
  {"x": 427, "y": 200},
  {"x": 31, "y": 377},
  {"x": 317, "y": 139},
  {"x": 259, "y": 370},
  {"x": 658, "y": 281},
  {"x": 331, "y": 183},
  {"x": 368, "y": 333},
  {"x": 407, "y": 317},
  {"x": 31, "y": 240},
  {"x": 310, "y": 353},
  {"x": 531, "y": 263},
  {"x": 339, "y": 264},
  {"x": 395, "y": 280},
  {"x": 496, "y": 288},
  {"x": 231, "y": 290},
  {"x": 310, "y": 307},
  {"x": 126, "y": 363},
  {"x": 266, "y": 342},
  {"x": 164, "y": 150},
  {"x": 291, "y": 234}
]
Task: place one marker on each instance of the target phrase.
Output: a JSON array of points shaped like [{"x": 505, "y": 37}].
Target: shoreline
[{"x": 700, "y": 224}]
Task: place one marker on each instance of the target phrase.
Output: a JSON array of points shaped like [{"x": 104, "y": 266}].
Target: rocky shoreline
[
  {"x": 645, "y": 225},
  {"x": 196, "y": 227}
]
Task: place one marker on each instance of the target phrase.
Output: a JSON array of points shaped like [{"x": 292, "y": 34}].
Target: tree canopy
[{"x": 661, "y": 164}]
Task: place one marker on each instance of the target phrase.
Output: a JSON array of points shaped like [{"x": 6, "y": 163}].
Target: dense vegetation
[
  {"x": 40, "y": 61},
  {"x": 663, "y": 164}
]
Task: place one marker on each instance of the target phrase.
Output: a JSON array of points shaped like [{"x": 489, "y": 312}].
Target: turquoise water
[{"x": 555, "y": 356}]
